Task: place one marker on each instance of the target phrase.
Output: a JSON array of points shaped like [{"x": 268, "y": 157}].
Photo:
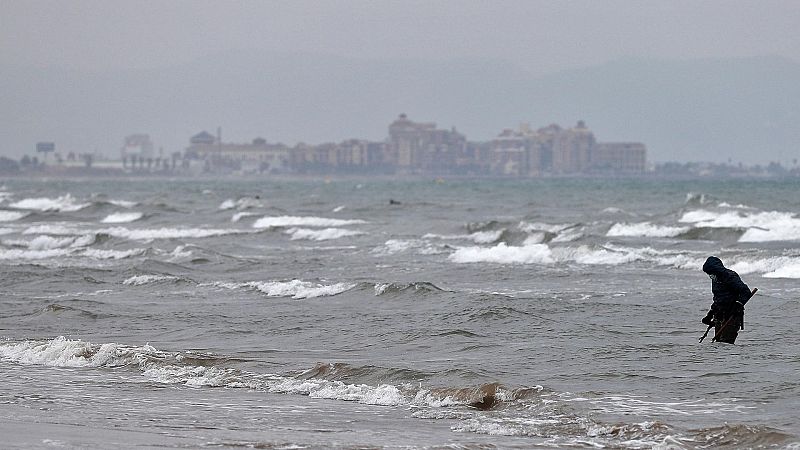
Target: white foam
[
  {"x": 113, "y": 254},
  {"x": 338, "y": 208},
  {"x": 761, "y": 226},
  {"x": 65, "y": 203},
  {"x": 393, "y": 246},
  {"x": 320, "y": 235},
  {"x": 601, "y": 256},
  {"x": 530, "y": 227},
  {"x": 295, "y": 221},
  {"x": 788, "y": 271},
  {"x": 10, "y": 216},
  {"x": 180, "y": 253},
  {"x": 140, "y": 280},
  {"x": 504, "y": 254},
  {"x": 479, "y": 237},
  {"x": 123, "y": 203},
  {"x": 534, "y": 238},
  {"x": 148, "y": 234},
  {"x": 788, "y": 230},
  {"x": 63, "y": 352},
  {"x": 240, "y": 204},
  {"x": 228, "y": 204},
  {"x": 33, "y": 254},
  {"x": 295, "y": 288},
  {"x": 123, "y": 217},
  {"x": 241, "y": 215},
  {"x": 644, "y": 229},
  {"x": 53, "y": 230}
]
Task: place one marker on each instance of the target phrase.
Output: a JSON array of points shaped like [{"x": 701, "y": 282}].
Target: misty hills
[{"x": 744, "y": 109}]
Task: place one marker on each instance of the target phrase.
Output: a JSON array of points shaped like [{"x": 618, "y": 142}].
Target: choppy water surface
[{"x": 548, "y": 313}]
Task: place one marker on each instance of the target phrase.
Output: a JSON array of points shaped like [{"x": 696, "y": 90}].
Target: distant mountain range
[{"x": 712, "y": 109}]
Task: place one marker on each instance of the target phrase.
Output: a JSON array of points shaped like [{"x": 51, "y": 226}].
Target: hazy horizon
[{"x": 86, "y": 74}]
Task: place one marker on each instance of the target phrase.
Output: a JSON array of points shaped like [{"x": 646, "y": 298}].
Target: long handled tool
[{"x": 726, "y": 322}]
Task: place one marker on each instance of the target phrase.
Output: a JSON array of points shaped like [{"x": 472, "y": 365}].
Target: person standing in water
[{"x": 730, "y": 296}]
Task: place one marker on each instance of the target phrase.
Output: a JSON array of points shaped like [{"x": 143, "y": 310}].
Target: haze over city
[{"x": 710, "y": 81}]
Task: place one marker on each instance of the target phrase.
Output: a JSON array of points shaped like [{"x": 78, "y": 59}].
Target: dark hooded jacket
[{"x": 726, "y": 285}]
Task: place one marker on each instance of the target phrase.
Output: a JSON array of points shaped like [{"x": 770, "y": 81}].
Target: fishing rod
[{"x": 727, "y": 322}]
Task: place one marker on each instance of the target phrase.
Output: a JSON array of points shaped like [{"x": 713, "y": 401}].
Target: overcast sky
[{"x": 538, "y": 36}]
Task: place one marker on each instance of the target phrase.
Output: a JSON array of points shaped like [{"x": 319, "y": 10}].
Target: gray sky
[
  {"x": 376, "y": 65},
  {"x": 538, "y": 36}
]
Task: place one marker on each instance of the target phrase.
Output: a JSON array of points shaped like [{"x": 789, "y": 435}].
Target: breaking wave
[
  {"x": 531, "y": 411},
  {"x": 325, "y": 234},
  {"x": 295, "y": 288},
  {"x": 295, "y": 221},
  {"x": 394, "y": 288},
  {"x": 10, "y": 216},
  {"x": 644, "y": 229},
  {"x": 241, "y": 204},
  {"x": 760, "y": 226},
  {"x": 140, "y": 280},
  {"x": 504, "y": 254},
  {"x": 64, "y": 203},
  {"x": 123, "y": 217}
]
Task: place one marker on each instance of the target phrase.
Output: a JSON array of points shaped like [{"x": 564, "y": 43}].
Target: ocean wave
[
  {"x": 241, "y": 215},
  {"x": 141, "y": 280},
  {"x": 295, "y": 288},
  {"x": 148, "y": 234},
  {"x": 760, "y": 226},
  {"x": 123, "y": 203},
  {"x": 423, "y": 247},
  {"x": 241, "y": 204},
  {"x": 300, "y": 221},
  {"x": 697, "y": 198},
  {"x": 123, "y": 217},
  {"x": 644, "y": 229},
  {"x": 64, "y": 203},
  {"x": 394, "y": 288},
  {"x": 504, "y": 254},
  {"x": 479, "y": 237},
  {"x": 101, "y": 254},
  {"x": 325, "y": 234},
  {"x": 53, "y": 230},
  {"x": 10, "y": 216},
  {"x": 530, "y": 411},
  {"x": 16, "y": 254}
]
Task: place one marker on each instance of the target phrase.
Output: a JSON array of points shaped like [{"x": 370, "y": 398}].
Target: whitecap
[
  {"x": 504, "y": 254},
  {"x": 644, "y": 229},
  {"x": 64, "y": 203},
  {"x": 140, "y": 280},
  {"x": 320, "y": 235},
  {"x": 113, "y": 254},
  {"x": 791, "y": 270},
  {"x": 240, "y": 215},
  {"x": 761, "y": 226},
  {"x": 294, "y": 221},
  {"x": 145, "y": 234},
  {"x": 13, "y": 254},
  {"x": 10, "y": 216},
  {"x": 53, "y": 230},
  {"x": 295, "y": 288},
  {"x": 123, "y": 217},
  {"x": 123, "y": 203}
]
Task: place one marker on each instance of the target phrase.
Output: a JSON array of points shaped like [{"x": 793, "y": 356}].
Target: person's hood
[{"x": 713, "y": 266}]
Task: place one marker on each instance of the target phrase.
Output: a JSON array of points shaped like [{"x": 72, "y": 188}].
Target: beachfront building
[
  {"x": 615, "y": 158},
  {"x": 558, "y": 151},
  {"x": 258, "y": 156},
  {"x": 420, "y": 147}
]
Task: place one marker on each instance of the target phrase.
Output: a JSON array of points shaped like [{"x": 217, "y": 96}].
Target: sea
[{"x": 395, "y": 313}]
